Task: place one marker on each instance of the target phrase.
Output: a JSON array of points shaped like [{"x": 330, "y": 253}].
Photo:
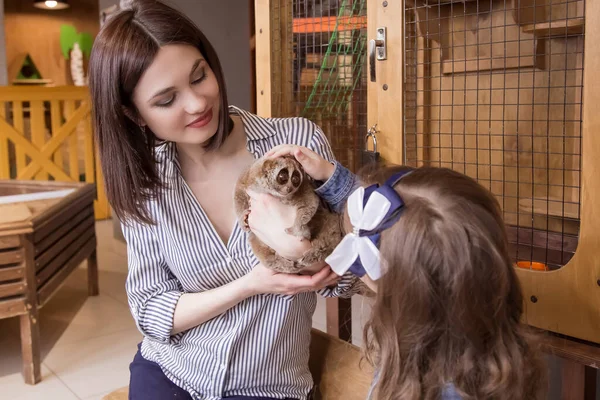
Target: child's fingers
[{"x": 280, "y": 150}]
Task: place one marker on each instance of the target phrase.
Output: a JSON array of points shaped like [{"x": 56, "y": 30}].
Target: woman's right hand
[{"x": 264, "y": 280}]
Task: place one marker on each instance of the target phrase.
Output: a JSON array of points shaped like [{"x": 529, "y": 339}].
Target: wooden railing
[{"x": 46, "y": 134}]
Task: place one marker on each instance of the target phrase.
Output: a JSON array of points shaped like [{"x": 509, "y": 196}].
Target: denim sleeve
[{"x": 336, "y": 190}]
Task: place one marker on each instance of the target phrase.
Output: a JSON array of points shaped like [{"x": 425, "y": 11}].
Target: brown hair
[
  {"x": 449, "y": 308},
  {"x": 122, "y": 51}
]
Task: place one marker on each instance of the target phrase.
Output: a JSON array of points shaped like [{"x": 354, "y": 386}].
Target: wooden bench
[
  {"x": 335, "y": 366},
  {"x": 46, "y": 230}
]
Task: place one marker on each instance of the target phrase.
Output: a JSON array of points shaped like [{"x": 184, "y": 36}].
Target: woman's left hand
[{"x": 268, "y": 220}]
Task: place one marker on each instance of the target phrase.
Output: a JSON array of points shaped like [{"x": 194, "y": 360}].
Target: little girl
[{"x": 431, "y": 243}]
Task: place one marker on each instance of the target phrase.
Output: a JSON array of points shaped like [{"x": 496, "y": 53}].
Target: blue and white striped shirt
[{"x": 260, "y": 347}]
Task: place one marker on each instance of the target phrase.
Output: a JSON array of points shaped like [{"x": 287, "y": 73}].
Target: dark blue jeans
[{"x": 148, "y": 382}]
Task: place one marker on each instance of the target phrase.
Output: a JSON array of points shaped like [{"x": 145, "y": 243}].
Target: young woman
[
  {"x": 445, "y": 323},
  {"x": 215, "y": 324}
]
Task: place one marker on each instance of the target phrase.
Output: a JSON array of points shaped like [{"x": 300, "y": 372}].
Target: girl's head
[
  {"x": 448, "y": 305},
  {"x": 153, "y": 77}
]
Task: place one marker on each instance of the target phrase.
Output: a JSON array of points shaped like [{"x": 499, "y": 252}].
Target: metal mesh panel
[
  {"x": 494, "y": 90},
  {"x": 319, "y": 68}
]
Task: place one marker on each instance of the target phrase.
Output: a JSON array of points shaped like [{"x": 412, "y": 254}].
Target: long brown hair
[
  {"x": 448, "y": 309},
  {"x": 122, "y": 51}
]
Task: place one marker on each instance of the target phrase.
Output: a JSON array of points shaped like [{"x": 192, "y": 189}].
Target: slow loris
[{"x": 285, "y": 179}]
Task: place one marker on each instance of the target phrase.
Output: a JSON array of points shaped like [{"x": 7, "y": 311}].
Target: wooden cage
[{"x": 504, "y": 91}]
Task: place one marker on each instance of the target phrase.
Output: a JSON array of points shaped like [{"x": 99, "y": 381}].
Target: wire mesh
[
  {"x": 318, "y": 69},
  {"x": 494, "y": 90}
]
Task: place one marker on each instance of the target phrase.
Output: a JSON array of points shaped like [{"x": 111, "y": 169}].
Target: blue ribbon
[{"x": 391, "y": 217}]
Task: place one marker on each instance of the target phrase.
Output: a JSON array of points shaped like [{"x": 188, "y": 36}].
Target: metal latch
[{"x": 377, "y": 49}]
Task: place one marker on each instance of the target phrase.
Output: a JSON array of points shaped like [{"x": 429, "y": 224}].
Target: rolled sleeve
[
  {"x": 336, "y": 190},
  {"x": 348, "y": 286},
  {"x": 152, "y": 289}
]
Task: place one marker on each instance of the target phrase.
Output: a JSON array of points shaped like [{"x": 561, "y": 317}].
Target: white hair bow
[{"x": 357, "y": 249}]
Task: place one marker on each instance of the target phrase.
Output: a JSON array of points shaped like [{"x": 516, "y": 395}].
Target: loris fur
[{"x": 285, "y": 179}]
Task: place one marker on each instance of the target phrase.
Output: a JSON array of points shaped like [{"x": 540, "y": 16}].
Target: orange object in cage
[
  {"x": 327, "y": 24},
  {"x": 535, "y": 266}
]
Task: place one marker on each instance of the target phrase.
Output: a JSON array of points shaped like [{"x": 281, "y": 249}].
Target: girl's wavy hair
[
  {"x": 448, "y": 309},
  {"x": 123, "y": 50}
]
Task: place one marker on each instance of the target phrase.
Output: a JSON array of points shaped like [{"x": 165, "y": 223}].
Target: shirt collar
[{"x": 257, "y": 128}]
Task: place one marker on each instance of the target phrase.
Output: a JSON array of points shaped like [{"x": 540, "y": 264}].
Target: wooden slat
[
  {"x": 487, "y": 64},
  {"x": 21, "y": 93},
  {"x": 55, "y": 118},
  {"x": 63, "y": 258},
  {"x": 263, "y": 57},
  {"x": 558, "y": 28},
  {"x": 12, "y": 273},
  {"x": 43, "y": 259},
  {"x": 19, "y": 125},
  {"x": 38, "y": 131},
  {"x": 9, "y": 242},
  {"x": 45, "y": 227},
  {"x": 88, "y": 148},
  {"x": 4, "y": 159},
  {"x": 328, "y": 24},
  {"x": 72, "y": 143},
  {"x": 101, "y": 206},
  {"x": 11, "y": 289},
  {"x": 62, "y": 229},
  {"x": 46, "y": 291},
  {"x": 11, "y": 257},
  {"x": 30, "y": 333},
  {"x": 383, "y": 105},
  {"x": 12, "y": 307},
  {"x": 339, "y": 318},
  {"x": 585, "y": 353},
  {"x": 58, "y": 138},
  {"x": 32, "y": 151}
]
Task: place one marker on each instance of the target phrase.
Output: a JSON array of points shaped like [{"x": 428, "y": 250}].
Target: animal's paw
[{"x": 245, "y": 224}]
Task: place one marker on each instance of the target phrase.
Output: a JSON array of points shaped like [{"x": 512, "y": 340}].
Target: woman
[{"x": 215, "y": 324}]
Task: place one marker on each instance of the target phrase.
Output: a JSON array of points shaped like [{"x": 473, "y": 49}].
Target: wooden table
[{"x": 46, "y": 230}]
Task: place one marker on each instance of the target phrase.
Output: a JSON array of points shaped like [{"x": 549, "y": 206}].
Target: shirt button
[{"x": 228, "y": 259}]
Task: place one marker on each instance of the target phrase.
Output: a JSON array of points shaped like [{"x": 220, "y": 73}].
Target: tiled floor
[{"x": 88, "y": 342}]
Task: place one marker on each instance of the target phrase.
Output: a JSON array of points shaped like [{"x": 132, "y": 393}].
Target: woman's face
[{"x": 178, "y": 96}]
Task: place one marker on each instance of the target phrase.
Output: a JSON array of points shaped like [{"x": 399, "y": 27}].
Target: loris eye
[
  {"x": 283, "y": 176},
  {"x": 296, "y": 178}
]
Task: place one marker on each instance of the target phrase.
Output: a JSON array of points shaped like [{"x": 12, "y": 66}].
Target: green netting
[{"x": 341, "y": 68}]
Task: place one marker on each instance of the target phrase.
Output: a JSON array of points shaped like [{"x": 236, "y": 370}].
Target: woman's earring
[{"x": 143, "y": 128}]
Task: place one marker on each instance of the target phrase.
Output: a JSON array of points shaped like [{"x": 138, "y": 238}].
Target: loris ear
[{"x": 133, "y": 115}]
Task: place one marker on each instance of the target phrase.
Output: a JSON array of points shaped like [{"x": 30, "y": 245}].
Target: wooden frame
[
  {"x": 38, "y": 252},
  {"x": 51, "y": 126}
]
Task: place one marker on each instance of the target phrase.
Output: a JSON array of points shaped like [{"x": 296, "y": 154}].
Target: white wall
[
  {"x": 3, "y": 66},
  {"x": 226, "y": 23}
]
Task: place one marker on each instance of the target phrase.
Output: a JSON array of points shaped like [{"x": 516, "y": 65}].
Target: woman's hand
[
  {"x": 316, "y": 166},
  {"x": 269, "y": 219},
  {"x": 263, "y": 280}
]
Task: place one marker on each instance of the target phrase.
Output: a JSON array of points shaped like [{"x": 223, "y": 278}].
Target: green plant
[{"x": 69, "y": 36}]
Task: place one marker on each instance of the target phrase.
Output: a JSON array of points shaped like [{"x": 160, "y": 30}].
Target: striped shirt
[{"x": 259, "y": 347}]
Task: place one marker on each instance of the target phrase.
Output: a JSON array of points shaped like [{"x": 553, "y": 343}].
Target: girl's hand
[
  {"x": 316, "y": 166},
  {"x": 263, "y": 280}
]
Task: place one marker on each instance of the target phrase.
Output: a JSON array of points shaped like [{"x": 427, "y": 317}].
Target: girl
[
  {"x": 215, "y": 324},
  {"x": 446, "y": 318}
]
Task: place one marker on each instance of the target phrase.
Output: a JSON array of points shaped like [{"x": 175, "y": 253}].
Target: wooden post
[
  {"x": 339, "y": 318},
  {"x": 263, "y": 58},
  {"x": 92, "y": 274},
  {"x": 30, "y": 333}
]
